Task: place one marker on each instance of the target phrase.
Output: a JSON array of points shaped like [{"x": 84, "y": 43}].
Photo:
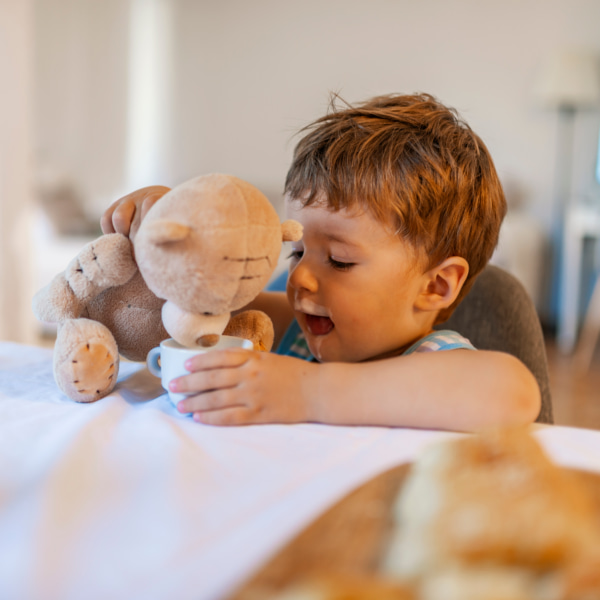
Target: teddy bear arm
[
  {"x": 101, "y": 264},
  {"x": 56, "y": 302},
  {"x": 252, "y": 325}
]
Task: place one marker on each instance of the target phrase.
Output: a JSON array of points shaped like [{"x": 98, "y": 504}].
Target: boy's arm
[{"x": 460, "y": 390}]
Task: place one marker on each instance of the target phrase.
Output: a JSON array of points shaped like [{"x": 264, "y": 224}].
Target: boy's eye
[
  {"x": 296, "y": 254},
  {"x": 340, "y": 266}
]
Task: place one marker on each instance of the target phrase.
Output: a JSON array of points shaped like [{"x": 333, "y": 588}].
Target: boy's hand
[
  {"x": 240, "y": 387},
  {"x": 125, "y": 215}
]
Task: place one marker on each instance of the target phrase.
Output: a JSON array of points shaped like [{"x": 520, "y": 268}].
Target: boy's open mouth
[{"x": 318, "y": 325}]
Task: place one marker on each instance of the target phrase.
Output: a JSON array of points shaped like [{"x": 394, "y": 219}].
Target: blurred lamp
[{"x": 569, "y": 80}]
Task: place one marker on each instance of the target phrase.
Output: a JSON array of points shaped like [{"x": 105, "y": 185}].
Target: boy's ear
[{"x": 443, "y": 284}]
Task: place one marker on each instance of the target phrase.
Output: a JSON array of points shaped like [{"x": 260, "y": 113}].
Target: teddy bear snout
[{"x": 190, "y": 329}]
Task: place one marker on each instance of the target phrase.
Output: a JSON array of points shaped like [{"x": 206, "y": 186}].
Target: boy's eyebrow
[{"x": 333, "y": 237}]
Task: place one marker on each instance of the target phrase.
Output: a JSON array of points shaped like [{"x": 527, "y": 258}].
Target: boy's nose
[{"x": 301, "y": 277}]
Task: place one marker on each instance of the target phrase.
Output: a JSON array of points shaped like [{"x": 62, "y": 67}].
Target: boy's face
[{"x": 353, "y": 285}]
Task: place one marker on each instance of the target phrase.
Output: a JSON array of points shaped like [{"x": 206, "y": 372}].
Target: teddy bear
[{"x": 203, "y": 251}]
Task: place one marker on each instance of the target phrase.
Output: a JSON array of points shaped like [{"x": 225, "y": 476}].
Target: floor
[{"x": 575, "y": 396}]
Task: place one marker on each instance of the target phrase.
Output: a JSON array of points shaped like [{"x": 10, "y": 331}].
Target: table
[
  {"x": 581, "y": 222},
  {"x": 127, "y": 499}
]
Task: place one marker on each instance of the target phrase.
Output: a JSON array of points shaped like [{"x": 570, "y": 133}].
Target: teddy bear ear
[
  {"x": 291, "y": 231},
  {"x": 162, "y": 231}
]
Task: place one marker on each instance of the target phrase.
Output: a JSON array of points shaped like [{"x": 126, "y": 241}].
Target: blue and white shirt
[{"x": 294, "y": 343}]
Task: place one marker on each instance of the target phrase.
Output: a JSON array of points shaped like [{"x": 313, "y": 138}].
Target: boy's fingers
[
  {"x": 219, "y": 359},
  {"x": 151, "y": 196},
  {"x": 122, "y": 217},
  {"x": 118, "y": 217},
  {"x": 200, "y": 382},
  {"x": 106, "y": 223},
  {"x": 125, "y": 215},
  {"x": 211, "y": 400},
  {"x": 234, "y": 415}
]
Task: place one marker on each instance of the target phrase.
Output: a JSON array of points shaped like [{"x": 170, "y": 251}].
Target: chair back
[{"x": 498, "y": 314}]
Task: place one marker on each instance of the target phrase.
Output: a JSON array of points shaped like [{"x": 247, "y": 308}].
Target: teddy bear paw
[
  {"x": 100, "y": 381},
  {"x": 88, "y": 370},
  {"x": 252, "y": 325}
]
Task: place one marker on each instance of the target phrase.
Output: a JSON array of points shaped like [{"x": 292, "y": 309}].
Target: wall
[
  {"x": 244, "y": 76},
  {"x": 81, "y": 91},
  {"x": 249, "y": 74},
  {"x": 16, "y": 75}
]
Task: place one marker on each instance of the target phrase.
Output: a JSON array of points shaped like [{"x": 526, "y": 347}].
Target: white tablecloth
[{"x": 126, "y": 499}]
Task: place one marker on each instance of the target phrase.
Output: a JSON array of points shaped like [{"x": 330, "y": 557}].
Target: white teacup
[{"x": 166, "y": 361}]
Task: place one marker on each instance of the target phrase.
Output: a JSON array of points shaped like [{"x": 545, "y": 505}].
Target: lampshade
[{"x": 569, "y": 79}]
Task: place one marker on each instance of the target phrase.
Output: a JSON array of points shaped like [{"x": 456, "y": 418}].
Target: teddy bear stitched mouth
[{"x": 319, "y": 325}]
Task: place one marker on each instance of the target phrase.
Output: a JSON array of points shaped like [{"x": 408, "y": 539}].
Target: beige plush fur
[{"x": 205, "y": 249}]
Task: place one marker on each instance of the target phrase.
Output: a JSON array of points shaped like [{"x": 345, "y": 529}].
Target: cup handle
[{"x": 152, "y": 362}]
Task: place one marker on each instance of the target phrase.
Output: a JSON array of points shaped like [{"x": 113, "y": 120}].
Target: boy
[{"x": 401, "y": 207}]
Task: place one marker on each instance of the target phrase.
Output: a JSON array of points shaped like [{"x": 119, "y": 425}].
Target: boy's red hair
[{"x": 414, "y": 164}]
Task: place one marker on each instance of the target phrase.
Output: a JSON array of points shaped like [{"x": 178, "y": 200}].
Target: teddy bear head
[{"x": 208, "y": 247}]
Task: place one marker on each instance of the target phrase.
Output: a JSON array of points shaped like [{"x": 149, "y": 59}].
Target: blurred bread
[
  {"x": 492, "y": 512},
  {"x": 480, "y": 517}
]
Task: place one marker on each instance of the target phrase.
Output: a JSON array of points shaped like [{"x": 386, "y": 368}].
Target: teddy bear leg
[
  {"x": 86, "y": 360},
  {"x": 252, "y": 325}
]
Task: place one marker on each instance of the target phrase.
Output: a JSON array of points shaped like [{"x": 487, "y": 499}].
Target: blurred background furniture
[
  {"x": 581, "y": 223},
  {"x": 569, "y": 83},
  {"x": 590, "y": 331},
  {"x": 498, "y": 314}
]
